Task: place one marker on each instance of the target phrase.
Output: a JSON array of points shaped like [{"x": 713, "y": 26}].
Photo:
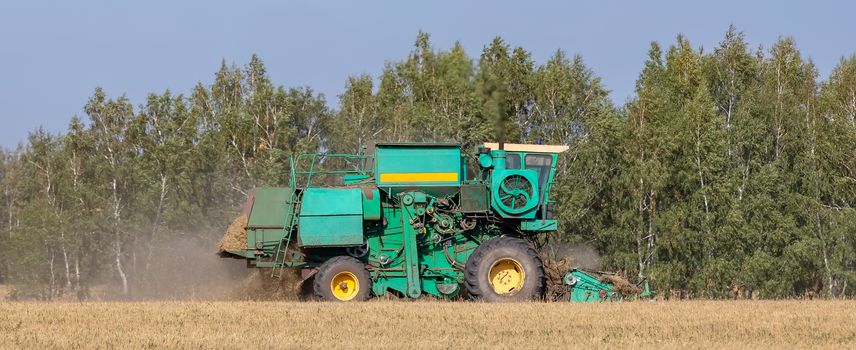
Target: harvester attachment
[{"x": 598, "y": 287}]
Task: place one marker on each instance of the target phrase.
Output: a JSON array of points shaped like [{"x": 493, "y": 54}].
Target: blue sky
[{"x": 53, "y": 54}]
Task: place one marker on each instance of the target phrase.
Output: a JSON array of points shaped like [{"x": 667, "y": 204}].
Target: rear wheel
[
  {"x": 342, "y": 278},
  {"x": 504, "y": 269}
]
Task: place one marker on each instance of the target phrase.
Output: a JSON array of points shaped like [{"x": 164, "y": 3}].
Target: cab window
[
  {"x": 512, "y": 161},
  {"x": 541, "y": 164}
]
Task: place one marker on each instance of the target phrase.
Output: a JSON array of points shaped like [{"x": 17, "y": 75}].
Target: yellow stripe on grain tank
[{"x": 418, "y": 177}]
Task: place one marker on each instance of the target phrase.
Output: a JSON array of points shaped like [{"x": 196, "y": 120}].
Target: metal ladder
[
  {"x": 276, "y": 271},
  {"x": 281, "y": 257},
  {"x": 282, "y": 247}
]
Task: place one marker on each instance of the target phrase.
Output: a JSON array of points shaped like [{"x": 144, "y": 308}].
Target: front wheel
[
  {"x": 342, "y": 278},
  {"x": 504, "y": 269}
]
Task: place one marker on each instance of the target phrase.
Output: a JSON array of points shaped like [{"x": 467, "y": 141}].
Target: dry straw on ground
[
  {"x": 620, "y": 284},
  {"x": 259, "y": 285},
  {"x": 554, "y": 271},
  {"x": 434, "y": 325}
]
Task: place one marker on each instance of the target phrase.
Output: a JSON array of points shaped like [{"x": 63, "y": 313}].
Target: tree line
[{"x": 729, "y": 172}]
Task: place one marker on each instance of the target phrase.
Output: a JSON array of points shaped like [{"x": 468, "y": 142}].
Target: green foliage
[{"x": 730, "y": 173}]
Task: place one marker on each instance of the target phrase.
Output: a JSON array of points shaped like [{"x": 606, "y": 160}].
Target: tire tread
[
  {"x": 471, "y": 278},
  {"x": 318, "y": 286}
]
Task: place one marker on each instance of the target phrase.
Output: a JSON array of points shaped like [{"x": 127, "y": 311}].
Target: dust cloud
[
  {"x": 191, "y": 269},
  {"x": 580, "y": 255},
  {"x": 185, "y": 269}
]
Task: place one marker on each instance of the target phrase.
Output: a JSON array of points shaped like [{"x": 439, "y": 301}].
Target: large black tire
[
  {"x": 507, "y": 261},
  {"x": 342, "y": 278}
]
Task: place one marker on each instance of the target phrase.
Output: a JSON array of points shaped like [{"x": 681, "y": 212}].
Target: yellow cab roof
[{"x": 519, "y": 147}]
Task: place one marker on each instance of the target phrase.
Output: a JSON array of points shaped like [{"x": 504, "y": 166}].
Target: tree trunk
[
  {"x": 118, "y": 237},
  {"x": 700, "y": 171},
  {"x": 77, "y": 273},
  {"x": 52, "y": 284},
  {"x": 824, "y": 253},
  {"x": 67, "y": 265},
  {"x": 119, "y": 267},
  {"x": 156, "y": 224},
  {"x": 8, "y": 195}
]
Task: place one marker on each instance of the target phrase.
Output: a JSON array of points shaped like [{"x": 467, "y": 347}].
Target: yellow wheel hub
[
  {"x": 506, "y": 276},
  {"x": 345, "y": 286}
]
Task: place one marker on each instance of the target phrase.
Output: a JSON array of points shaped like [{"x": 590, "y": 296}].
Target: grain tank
[{"x": 409, "y": 219}]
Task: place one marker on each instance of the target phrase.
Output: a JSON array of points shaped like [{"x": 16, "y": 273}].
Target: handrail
[
  {"x": 319, "y": 158},
  {"x": 293, "y": 179},
  {"x": 311, "y": 167}
]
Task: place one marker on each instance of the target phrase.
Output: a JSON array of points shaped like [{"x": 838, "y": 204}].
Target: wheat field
[{"x": 422, "y": 325}]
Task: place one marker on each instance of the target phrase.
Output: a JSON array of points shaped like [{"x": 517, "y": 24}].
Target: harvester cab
[
  {"x": 520, "y": 177},
  {"x": 408, "y": 220}
]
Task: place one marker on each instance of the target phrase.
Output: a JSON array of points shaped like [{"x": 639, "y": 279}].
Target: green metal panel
[
  {"x": 587, "y": 288},
  {"x": 474, "y": 198},
  {"x": 265, "y": 239},
  {"x": 427, "y": 166},
  {"x": 331, "y": 217},
  {"x": 371, "y": 204},
  {"x": 354, "y": 179},
  {"x": 271, "y": 207},
  {"x": 331, "y": 231},
  {"x": 270, "y": 213},
  {"x": 539, "y": 225},
  {"x": 331, "y": 201}
]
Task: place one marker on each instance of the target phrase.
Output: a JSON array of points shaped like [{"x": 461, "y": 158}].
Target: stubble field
[{"x": 443, "y": 325}]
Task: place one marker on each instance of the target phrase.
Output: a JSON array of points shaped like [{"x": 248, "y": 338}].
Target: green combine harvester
[{"x": 409, "y": 219}]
